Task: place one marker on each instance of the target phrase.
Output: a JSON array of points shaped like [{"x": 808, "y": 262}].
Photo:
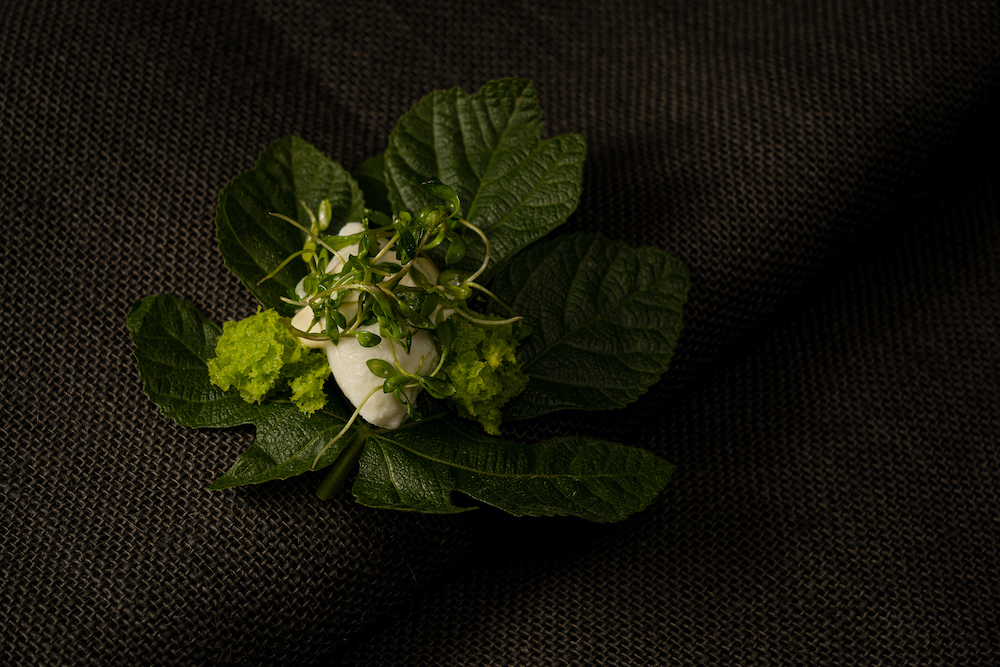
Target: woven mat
[{"x": 832, "y": 404}]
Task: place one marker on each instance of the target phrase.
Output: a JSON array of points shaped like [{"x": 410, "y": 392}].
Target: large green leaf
[
  {"x": 173, "y": 342},
  {"x": 253, "y": 243},
  {"x": 418, "y": 467},
  {"x": 606, "y": 320},
  {"x": 287, "y": 443},
  {"x": 370, "y": 176},
  {"x": 488, "y": 148}
]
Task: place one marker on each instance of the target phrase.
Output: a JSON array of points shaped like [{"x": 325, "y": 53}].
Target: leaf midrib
[
  {"x": 493, "y": 154},
  {"x": 275, "y": 464},
  {"x": 485, "y": 473},
  {"x": 572, "y": 332},
  {"x": 177, "y": 338},
  {"x": 524, "y": 200}
]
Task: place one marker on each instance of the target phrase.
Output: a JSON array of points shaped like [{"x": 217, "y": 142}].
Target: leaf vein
[{"x": 493, "y": 153}]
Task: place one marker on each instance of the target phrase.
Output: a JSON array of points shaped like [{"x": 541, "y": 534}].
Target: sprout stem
[
  {"x": 476, "y": 320},
  {"x": 491, "y": 295},
  {"x": 396, "y": 277},
  {"x": 336, "y": 288},
  {"x": 298, "y": 333},
  {"x": 440, "y": 364},
  {"x": 390, "y": 244},
  {"x": 315, "y": 237},
  {"x": 486, "y": 256},
  {"x": 282, "y": 265},
  {"x": 347, "y": 426}
]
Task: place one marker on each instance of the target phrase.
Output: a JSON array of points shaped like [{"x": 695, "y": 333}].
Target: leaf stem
[
  {"x": 341, "y": 468},
  {"x": 440, "y": 364},
  {"x": 392, "y": 281},
  {"x": 298, "y": 333},
  {"x": 336, "y": 288}
]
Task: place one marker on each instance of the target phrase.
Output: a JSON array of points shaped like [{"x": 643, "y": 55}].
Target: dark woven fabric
[
  {"x": 837, "y": 502},
  {"x": 832, "y": 404}
]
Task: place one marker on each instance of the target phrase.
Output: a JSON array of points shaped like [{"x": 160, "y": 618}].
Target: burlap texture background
[{"x": 827, "y": 170}]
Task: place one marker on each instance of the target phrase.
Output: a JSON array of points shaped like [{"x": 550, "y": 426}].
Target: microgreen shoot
[
  {"x": 382, "y": 297},
  {"x": 347, "y": 427}
]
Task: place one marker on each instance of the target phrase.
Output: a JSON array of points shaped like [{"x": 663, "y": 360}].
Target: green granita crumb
[
  {"x": 307, "y": 386},
  {"x": 485, "y": 372},
  {"x": 255, "y": 353}
]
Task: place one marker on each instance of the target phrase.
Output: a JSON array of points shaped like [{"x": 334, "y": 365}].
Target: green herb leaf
[
  {"x": 252, "y": 242},
  {"x": 418, "y": 467},
  {"x": 173, "y": 342},
  {"x": 429, "y": 304},
  {"x": 457, "y": 250},
  {"x": 337, "y": 317},
  {"x": 324, "y": 215},
  {"x": 436, "y": 387},
  {"x": 446, "y": 333},
  {"x": 381, "y": 368},
  {"x": 393, "y": 383},
  {"x": 605, "y": 316},
  {"x": 366, "y": 339},
  {"x": 488, "y": 148},
  {"x": 445, "y": 192},
  {"x": 287, "y": 443}
]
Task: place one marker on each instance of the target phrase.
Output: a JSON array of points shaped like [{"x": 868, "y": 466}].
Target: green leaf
[
  {"x": 443, "y": 191},
  {"x": 418, "y": 467},
  {"x": 382, "y": 368},
  {"x": 488, "y": 148},
  {"x": 446, "y": 333},
  {"x": 287, "y": 443},
  {"x": 253, "y": 243},
  {"x": 456, "y": 251},
  {"x": 436, "y": 387},
  {"x": 393, "y": 383},
  {"x": 371, "y": 179},
  {"x": 366, "y": 339},
  {"x": 173, "y": 342},
  {"x": 605, "y": 316}
]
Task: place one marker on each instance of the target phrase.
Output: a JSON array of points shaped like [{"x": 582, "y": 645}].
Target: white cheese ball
[{"x": 348, "y": 360}]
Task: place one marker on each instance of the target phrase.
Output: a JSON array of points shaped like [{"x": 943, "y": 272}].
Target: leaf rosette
[{"x": 600, "y": 319}]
